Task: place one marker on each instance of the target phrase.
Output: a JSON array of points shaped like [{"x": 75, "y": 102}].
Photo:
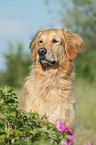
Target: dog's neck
[
  {"x": 56, "y": 83},
  {"x": 65, "y": 68}
]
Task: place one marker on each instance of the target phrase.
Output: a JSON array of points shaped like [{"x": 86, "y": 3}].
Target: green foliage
[
  {"x": 83, "y": 15},
  {"x": 20, "y": 128},
  {"x": 17, "y": 64}
]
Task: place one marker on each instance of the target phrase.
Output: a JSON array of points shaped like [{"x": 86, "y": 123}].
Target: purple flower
[
  {"x": 61, "y": 127},
  {"x": 88, "y": 143}
]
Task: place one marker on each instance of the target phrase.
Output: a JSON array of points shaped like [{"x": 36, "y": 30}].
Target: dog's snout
[{"x": 42, "y": 51}]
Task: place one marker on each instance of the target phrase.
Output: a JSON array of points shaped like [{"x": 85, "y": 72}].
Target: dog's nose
[{"x": 42, "y": 51}]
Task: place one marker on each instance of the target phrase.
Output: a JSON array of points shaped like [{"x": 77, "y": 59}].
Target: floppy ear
[
  {"x": 72, "y": 44},
  {"x": 33, "y": 45}
]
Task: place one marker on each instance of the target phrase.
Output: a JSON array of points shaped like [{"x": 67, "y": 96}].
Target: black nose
[{"x": 42, "y": 51}]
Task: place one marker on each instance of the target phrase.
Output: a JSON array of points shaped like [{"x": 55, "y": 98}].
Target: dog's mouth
[
  {"x": 47, "y": 62},
  {"x": 44, "y": 61}
]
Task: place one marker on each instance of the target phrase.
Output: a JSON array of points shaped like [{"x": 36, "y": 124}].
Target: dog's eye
[
  {"x": 40, "y": 41},
  {"x": 55, "y": 41}
]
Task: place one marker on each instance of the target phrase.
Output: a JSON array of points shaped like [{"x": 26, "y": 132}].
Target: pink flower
[
  {"x": 61, "y": 127},
  {"x": 68, "y": 130},
  {"x": 69, "y": 141},
  {"x": 88, "y": 143},
  {"x": 64, "y": 143}
]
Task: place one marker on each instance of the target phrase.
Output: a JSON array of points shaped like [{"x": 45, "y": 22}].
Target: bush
[{"x": 21, "y": 128}]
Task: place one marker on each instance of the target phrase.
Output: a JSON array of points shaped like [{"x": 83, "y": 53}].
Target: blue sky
[{"x": 20, "y": 20}]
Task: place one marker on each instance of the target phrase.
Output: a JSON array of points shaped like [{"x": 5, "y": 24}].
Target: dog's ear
[
  {"x": 73, "y": 42},
  {"x": 33, "y": 45}
]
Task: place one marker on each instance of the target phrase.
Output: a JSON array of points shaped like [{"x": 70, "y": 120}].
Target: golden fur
[{"x": 49, "y": 89}]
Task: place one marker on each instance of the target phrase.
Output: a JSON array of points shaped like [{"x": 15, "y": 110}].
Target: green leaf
[{"x": 14, "y": 132}]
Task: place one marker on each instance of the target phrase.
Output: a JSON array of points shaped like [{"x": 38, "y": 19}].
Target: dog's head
[{"x": 50, "y": 47}]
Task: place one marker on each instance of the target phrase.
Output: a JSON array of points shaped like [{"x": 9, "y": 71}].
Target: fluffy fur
[{"x": 49, "y": 89}]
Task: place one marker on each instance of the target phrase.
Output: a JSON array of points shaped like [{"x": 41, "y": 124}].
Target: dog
[{"x": 49, "y": 88}]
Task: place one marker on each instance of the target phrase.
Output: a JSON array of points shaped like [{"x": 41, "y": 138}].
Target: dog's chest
[
  {"x": 52, "y": 96},
  {"x": 55, "y": 99},
  {"x": 52, "y": 92}
]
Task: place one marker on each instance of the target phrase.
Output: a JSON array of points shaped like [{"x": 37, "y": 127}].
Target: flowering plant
[
  {"x": 69, "y": 138},
  {"x": 20, "y": 127},
  {"x": 88, "y": 143}
]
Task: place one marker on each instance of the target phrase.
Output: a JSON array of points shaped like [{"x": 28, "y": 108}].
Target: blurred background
[{"x": 19, "y": 22}]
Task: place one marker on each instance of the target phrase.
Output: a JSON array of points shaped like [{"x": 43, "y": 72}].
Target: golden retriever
[{"x": 49, "y": 89}]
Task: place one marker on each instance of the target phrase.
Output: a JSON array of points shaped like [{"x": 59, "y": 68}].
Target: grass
[{"x": 86, "y": 113}]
